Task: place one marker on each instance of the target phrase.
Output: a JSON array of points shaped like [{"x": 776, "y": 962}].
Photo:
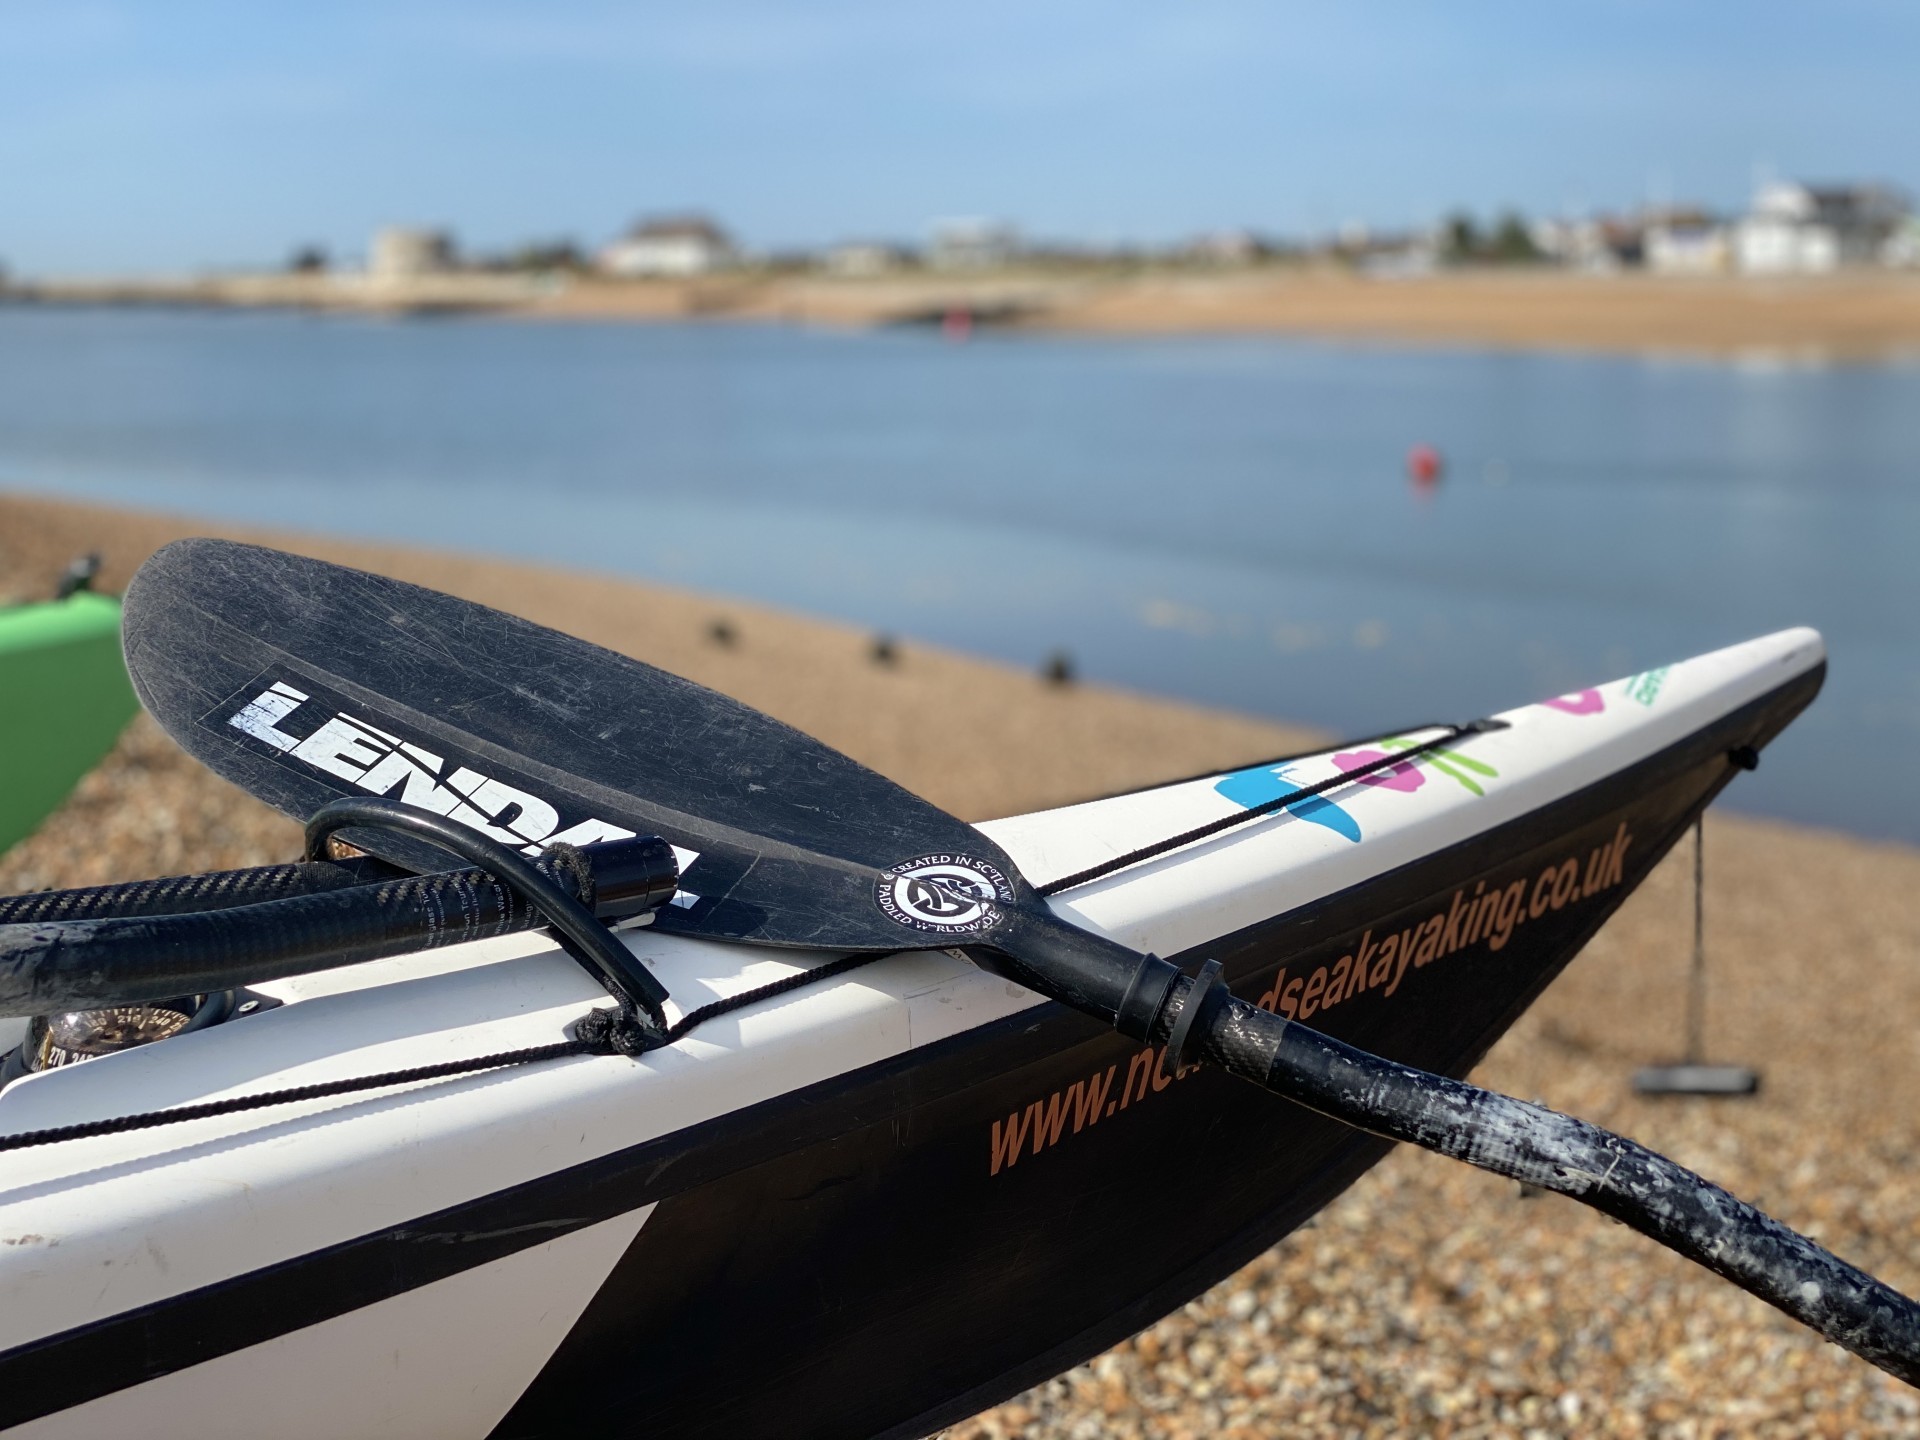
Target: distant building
[
  {"x": 859, "y": 259},
  {"x": 670, "y": 245},
  {"x": 1405, "y": 258},
  {"x": 1601, "y": 244},
  {"x": 1389, "y": 257},
  {"x": 1685, "y": 242},
  {"x": 1903, "y": 246},
  {"x": 1695, "y": 249},
  {"x": 402, "y": 253},
  {"x": 1225, "y": 247},
  {"x": 972, "y": 245},
  {"x": 1574, "y": 243},
  {"x": 1812, "y": 229}
]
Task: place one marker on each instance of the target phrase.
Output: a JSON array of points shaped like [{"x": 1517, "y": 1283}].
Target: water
[{"x": 1222, "y": 519}]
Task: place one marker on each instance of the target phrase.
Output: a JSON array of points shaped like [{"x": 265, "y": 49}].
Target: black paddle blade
[{"x": 302, "y": 682}]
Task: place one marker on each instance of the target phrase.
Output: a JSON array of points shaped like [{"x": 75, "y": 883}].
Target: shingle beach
[{"x": 1429, "y": 1299}]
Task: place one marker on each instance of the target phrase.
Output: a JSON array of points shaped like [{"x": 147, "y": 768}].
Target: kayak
[
  {"x": 871, "y": 1205},
  {"x": 64, "y": 699}
]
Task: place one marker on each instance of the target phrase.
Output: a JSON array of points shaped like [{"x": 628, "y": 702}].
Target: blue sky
[{"x": 147, "y": 135}]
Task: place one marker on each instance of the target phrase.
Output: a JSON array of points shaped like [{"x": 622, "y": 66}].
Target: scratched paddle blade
[{"x": 303, "y": 681}]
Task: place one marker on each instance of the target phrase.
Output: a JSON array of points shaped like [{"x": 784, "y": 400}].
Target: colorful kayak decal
[
  {"x": 1645, "y": 687},
  {"x": 1267, "y": 783},
  {"x": 1450, "y": 763},
  {"x": 1581, "y": 702},
  {"x": 1405, "y": 776}
]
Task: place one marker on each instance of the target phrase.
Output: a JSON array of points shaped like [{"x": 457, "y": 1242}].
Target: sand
[
  {"x": 1851, "y": 316},
  {"x": 1855, "y": 315},
  {"x": 1430, "y": 1299}
]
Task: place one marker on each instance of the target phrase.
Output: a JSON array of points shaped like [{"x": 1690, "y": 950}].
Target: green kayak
[{"x": 64, "y": 699}]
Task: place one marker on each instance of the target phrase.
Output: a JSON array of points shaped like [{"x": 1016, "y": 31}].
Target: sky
[{"x": 149, "y": 136}]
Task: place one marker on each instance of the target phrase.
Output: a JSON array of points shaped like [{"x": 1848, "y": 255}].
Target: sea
[{"x": 1228, "y": 520}]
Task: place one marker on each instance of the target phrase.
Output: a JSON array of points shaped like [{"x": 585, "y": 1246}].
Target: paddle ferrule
[
  {"x": 1146, "y": 997},
  {"x": 1084, "y": 971},
  {"x": 631, "y": 876}
]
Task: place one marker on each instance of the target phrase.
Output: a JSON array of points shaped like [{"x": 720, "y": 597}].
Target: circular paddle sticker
[{"x": 946, "y": 894}]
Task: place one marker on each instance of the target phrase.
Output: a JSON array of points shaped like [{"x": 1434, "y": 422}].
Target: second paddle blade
[{"x": 302, "y": 681}]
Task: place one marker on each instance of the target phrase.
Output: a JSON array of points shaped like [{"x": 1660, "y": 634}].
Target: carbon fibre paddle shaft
[{"x": 1648, "y": 1192}]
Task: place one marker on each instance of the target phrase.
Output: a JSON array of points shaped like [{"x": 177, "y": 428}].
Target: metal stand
[{"x": 1693, "y": 1076}]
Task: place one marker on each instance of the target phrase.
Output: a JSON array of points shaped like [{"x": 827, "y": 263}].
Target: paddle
[{"x": 304, "y": 682}]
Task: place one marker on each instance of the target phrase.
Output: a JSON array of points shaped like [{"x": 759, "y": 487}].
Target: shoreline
[
  {"x": 1428, "y": 1298},
  {"x": 1855, "y": 316}
]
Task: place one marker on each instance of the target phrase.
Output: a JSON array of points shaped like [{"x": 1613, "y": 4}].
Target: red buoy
[
  {"x": 957, "y": 324},
  {"x": 1424, "y": 466}
]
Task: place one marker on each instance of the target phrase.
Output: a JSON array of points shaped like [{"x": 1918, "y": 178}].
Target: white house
[
  {"x": 1599, "y": 244},
  {"x": 860, "y": 259},
  {"x": 1580, "y": 243},
  {"x": 1687, "y": 247},
  {"x": 1808, "y": 229},
  {"x": 972, "y": 245},
  {"x": 672, "y": 245}
]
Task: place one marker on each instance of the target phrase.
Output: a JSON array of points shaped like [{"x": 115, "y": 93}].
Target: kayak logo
[
  {"x": 318, "y": 734},
  {"x": 946, "y": 894}
]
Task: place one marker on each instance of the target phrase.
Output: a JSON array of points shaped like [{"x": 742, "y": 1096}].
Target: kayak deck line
[{"x": 234, "y": 1104}]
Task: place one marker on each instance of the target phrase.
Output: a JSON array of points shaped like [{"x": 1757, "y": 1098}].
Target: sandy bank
[
  {"x": 1865, "y": 315},
  {"x": 1854, "y": 316},
  {"x": 1857, "y": 316},
  {"x": 1430, "y": 1299}
]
